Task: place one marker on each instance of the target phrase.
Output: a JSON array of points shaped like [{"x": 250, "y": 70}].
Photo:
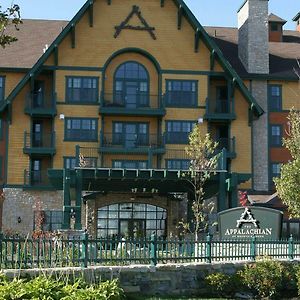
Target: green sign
[{"x": 246, "y": 222}]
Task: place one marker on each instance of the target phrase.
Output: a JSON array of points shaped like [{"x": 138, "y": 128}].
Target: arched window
[
  {"x": 131, "y": 220},
  {"x": 131, "y": 85}
]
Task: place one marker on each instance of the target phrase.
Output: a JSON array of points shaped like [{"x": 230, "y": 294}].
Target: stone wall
[
  {"x": 22, "y": 204},
  {"x": 162, "y": 280}
]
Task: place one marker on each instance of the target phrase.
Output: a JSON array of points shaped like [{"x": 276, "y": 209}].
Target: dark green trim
[
  {"x": 73, "y": 36},
  {"x": 73, "y": 68},
  {"x": 6, "y": 149},
  {"x": 76, "y": 103},
  {"x": 80, "y": 140},
  {"x": 55, "y": 55},
  {"x": 192, "y": 72},
  {"x": 134, "y": 50},
  {"x": 296, "y": 18},
  {"x": 242, "y": 5},
  {"x": 179, "y": 17},
  {"x": 197, "y": 40},
  {"x": 91, "y": 13},
  {"x": 2, "y": 94},
  {"x": 269, "y": 77}
]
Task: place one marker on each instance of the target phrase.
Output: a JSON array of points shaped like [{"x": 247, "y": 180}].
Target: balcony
[
  {"x": 36, "y": 179},
  {"x": 131, "y": 143},
  {"x": 39, "y": 105},
  {"x": 135, "y": 105},
  {"x": 39, "y": 143},
  {"x": 219, "y": 110},
  {"x": 228, "y": 144}
]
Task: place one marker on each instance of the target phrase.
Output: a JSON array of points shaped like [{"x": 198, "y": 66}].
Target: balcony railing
[
  {"x": 219, "y": 109},
  {"x": 131, "y": 140},
  {"x": 139, "y": 103},
  {"x": 36, "y": 178},
  {"x": 171, "y": 159},
  {"x": 228, "y": 144},
  {"x": 39, "y": 143},
  {"x": 37, "y": 103}
]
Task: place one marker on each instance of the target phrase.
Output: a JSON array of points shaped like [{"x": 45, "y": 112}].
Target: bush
[
  {"x": 265, "y": 277},
  {"x": 50, "y": 289},
  {"x": 223, "y": 284}
]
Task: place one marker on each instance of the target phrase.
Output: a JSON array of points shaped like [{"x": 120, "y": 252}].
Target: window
[
  {"x": 125, "y": 164},
  {"x": 131, "y": 220},
  {"x": 181, "y": 93},
  {"x": 274, "y": 27},
  {"x": 178, "y": 131},
  {"x": 2, "y": 85},
  {"x": 78, "y": 129},
  {"x": 276, "y": 135},
  {"x": 48, "y": 220},
  {"x": 275, "y": 169},
  {"x": 131, "y": 135},
  {"x": 69, "y": 162},
  {"x": 1, "y": 129},
  {"x": 131, "y": 85},
  {"x": 82, "y": 89},
  {"x": 275, "y": 98},
  {"x": 178, "y": 164}
]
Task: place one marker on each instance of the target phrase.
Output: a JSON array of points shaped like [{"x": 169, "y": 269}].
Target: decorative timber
[{"x": 124, "y": 25}]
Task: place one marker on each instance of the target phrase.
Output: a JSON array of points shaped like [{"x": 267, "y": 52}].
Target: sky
[{"x": 208, "y": 12}]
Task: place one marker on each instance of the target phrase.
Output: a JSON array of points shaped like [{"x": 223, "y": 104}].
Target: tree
[
  {"x": 288, "y": 184},
  {"x": 203, "y": 164},
  {"x": 9, "y": 17}
]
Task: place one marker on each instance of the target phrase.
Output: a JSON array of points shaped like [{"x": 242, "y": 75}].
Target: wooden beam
[
  {"x": 91, "y": 13},
  {"x": 197, "y": 40},
  {"x": 73, "y": 36},
  {"x": 212, "y": 59},
  {"x": 56, "y": 55},
  {"x": 179, "y": 17}
]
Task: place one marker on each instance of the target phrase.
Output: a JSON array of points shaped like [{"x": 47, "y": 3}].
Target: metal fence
[{"x": 20, "y": 253}]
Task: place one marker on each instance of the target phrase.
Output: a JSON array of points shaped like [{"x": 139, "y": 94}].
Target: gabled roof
[
  {"x": 32, "y": 38},
  {"x": 276, "y": 19},
  {"x": 210, "y": 43},
  {"x": 283, "y": 55}
]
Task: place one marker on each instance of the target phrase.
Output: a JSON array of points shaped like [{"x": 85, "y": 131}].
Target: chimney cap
[{"x": 275, "y": 19}]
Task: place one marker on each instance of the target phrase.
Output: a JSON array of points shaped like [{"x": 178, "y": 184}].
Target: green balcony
[
  {"x": 39, "y": 143},
  {"x": 37, "y": 104},
  {"x": 135, "y": 104},
  {"x": 219, "y": 110},
  {"x": 229, "y": 145},
  {"x": 131, "y": 143}
]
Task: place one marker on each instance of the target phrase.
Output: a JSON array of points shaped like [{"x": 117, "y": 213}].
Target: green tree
[
  {"x": 203, "y": 164},
  {"x": 288, "y": 184},
  {"x": 9, "y": 17}
]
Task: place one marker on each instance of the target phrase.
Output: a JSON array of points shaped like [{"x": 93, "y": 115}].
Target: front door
[
  {"x": 132, "y": 228},
  {"x": 222, "y": 99},
  {"x": 37, "y": 140}
]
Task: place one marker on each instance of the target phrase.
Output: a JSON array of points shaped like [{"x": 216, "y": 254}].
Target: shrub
[
  {"x": 50, "y": 289},
  {"x": 223, "y": 284},
  {"x": 264, "y": 277}
]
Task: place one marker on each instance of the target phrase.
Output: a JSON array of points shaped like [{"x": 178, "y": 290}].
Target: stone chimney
[
  {"x": 254, "y": 54},
  {"x": 297, "y": 20},
  {"x": 254, "y": 36}
]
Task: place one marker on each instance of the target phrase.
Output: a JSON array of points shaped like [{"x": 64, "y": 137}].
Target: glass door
[
  {"x": 37, "y": 134},
  {"x": 130, "y": 135},
  {"x": 131, "y": 94},
  {"x": 36, "y": 176},
  {"x": 38, "y": 94}
]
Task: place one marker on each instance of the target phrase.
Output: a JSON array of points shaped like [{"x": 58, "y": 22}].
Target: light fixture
[
  {"x": 200, "y": 120},
  {"x": 19, "y": 220},
  {"x": 61, "y": 116}
]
